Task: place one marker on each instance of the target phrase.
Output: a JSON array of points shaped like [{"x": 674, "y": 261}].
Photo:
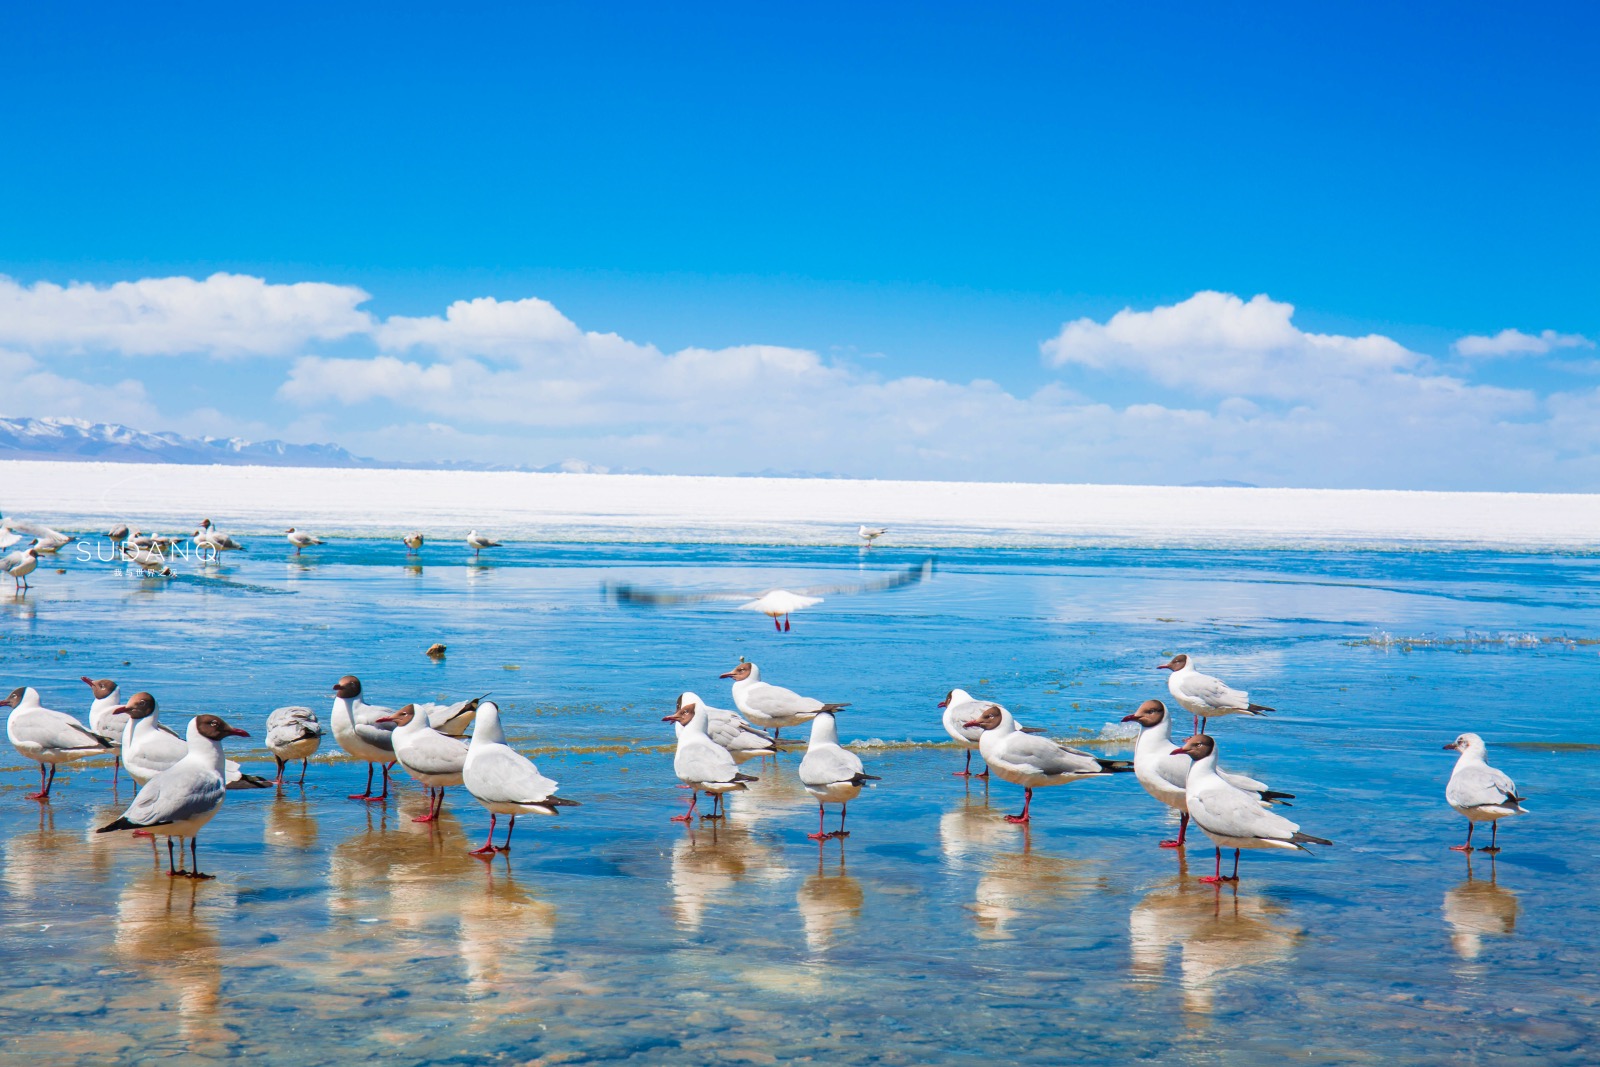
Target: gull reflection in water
[
  {"x": 777, "y": 796},
  {"x": 392, "y": 869},
  {"x": 1478, "y": 909},
  {"x": 1217, "y": 931},
  {"x": 829, "y": 901},
  {"x": 1015, "y": 883},
  {"x": 709, "y": 861},
  {"x": 500, "y": 922},
  {"x": 973, "y": 830},
  {"x": 291, "y": 823},
  {"x": 164, "y": 932}
]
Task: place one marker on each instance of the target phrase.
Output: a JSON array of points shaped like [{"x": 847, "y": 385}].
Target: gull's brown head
[
  {"x": 102, "y": 687},
  {"x": 1176, "y": 663},
  {"x": 348, "y": 687},
  {"x": 988, "y": 720},
  {"x": 1150, "y": 713},
  {"x": 1197, "y": 747},
  {"x": 213, "y": 727}
]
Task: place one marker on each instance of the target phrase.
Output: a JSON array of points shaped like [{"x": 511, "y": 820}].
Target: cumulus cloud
[
  {"x": 1217, "y": 344},
  {"x": 1221, "y": 387},
  {"x": 32, "y": 389},
  {"x": 223, "y": 315},
  {"x": 1517, "y": 343}
]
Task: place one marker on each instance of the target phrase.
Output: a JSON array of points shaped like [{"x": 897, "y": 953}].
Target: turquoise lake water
[{"x": 936, "y": 933}]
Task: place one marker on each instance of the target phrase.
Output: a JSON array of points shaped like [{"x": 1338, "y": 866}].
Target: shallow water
[{"x": 935, "y": 933}]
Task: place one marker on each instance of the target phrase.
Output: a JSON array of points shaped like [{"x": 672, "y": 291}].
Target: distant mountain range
[{"x": 109, "y": 442}]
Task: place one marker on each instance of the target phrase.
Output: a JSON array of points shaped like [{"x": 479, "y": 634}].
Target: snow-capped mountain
[{"x": 110, "y": 442}]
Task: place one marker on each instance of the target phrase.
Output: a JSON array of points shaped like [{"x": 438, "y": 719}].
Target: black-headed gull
[
  {"x": 1023, "y": 759},
  {"x": 300, "y": 539},
  {"x": 432, "y": 758},
  {"x": 743, "y": 741},
  {"x": 1232, "y": 817},
  {"x": 776, "y": 604},
  {"x": 452, "y": 719},
  {"x": 960, "y": 707},
  {"x": 293, "y": 733},
  {"x": 49, "y": 738},
  {"x": 107, "y": 718},
  {"x": 478, "y": 542},
  {"x": 179, "y": 801},
  {"x": 47, "y": 541},
  {"x": 504, "y": 780},
  {"x": 1203, "y": 696},
  {"x": 208, "y": 536},
  {"x": 702, "y": 764},
  {"x": 870, "y": 534},
  {"x": 149, "y": 747},
  {"x": 1479, "y": 791},
  {"x": 149, "y": 560},
  {"x": 19, "y": 565},
  {"x": 1165, "y": 774},
  {"x": 831, "y": 773},
  {"x": 771, "y": 707},
  {"x": 118, "y": 533},
  {"x": 357, "y": 728},
  {"x": 413, "y": 542}
]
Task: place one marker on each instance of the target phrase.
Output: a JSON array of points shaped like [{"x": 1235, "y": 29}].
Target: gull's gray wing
[
  {"x": 175, "y": 795},
  {"x": 829, "y": 765},
  {"x": 501, "y": 774},
  {"x": 1213, "y": 692},
  {"x": 704, "y": 763},
  {"x": 431, "y": 752},
  {"x": 1230, "y": 812},
  {"x": 1478, "y": 785},
  {"x": 1045, "y": 756},
  {"x": 56, "y": 730}
]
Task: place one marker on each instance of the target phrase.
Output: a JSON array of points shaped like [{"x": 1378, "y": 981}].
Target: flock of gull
[{"x": 184, "y": 780}]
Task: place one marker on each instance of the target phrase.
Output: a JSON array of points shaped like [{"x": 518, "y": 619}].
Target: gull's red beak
[
  {"x": 728, "y": 675},
  {"x": 384, "y": 718},
  {"x": 1179, "y": 751},
  {"x": 974, "y": 722},
  {"x": 236, "y": 732},
  {"x": 1165, "y": 667},
  {"x": 1130, "y": 718},
  {"x": 670, "y": 718},
  {"x": 942, "y": 703}
]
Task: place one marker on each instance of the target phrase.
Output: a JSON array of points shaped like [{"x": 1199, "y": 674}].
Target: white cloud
[
  {"x": 1517, "y": 343},
  {"x": 224, "y": 315},
  {"x": 1222, "y": 387},
  {"x": 1217, "y": 344},
  {"x": 32, "y": 390}
]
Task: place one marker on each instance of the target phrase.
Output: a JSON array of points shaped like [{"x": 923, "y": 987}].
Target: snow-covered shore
[{"x": 168, "y": 497}]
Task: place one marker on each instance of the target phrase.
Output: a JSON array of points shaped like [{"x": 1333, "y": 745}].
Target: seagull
[
  {"x": 208, "y": 536},
  {"x": 180, "y": 800},
  {"x": 955, "y": 718},
  {"x": 831, "y": 773},
  {"x": 503, "y": 780},
  {"x": 1480, "y": 792},
  {"x": 870, "y": 534},
  {"x": 106, "y": 717},
  {"x": 432, "y": 758},
  {"x": 771, "y": 707},
  {"x": 158, "y": 542},
  {"x": 413, "y": 542},
  {"x": 701, "y": 763},
  {"x": 743, "y": 741},
  {"x": 293, "y": 733},
  {"x": 776, "y": 604},
  {"x": 1165, "y": 775},
  {"x": 1023, "y": 759},
  {"x": 149, "y": 560},
  {"x": 452, "y": 719},
  {"x": 8, "y": 536},
  {"x": 477, "y": 542},
  {"x": 149, "y": 747},
  {"x": 48, "y": 737},
  {"x": 21, "y": 564},
  {"x": 1203, "y": 696},
  {"x": 300, "y": 539},
  {"x": 47, "y": 541},
  {"x": 118, "y": 533},
  {"x": 1232, "y": 817},
  {"x": 356, "y": 726}
]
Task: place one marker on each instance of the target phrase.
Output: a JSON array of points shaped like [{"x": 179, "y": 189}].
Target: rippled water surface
[{"x": 337, "y": 931}]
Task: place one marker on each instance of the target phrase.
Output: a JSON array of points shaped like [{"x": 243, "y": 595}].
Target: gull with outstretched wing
[{"x": 776, "y": 604}]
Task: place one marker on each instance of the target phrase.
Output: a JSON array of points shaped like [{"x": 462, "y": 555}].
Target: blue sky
[{"x": 906, "y": 193}]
